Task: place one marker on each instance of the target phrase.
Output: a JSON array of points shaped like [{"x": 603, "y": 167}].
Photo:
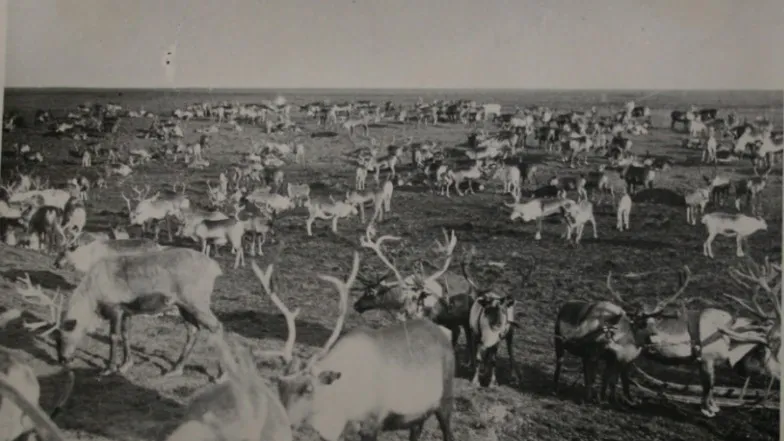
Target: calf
[{"x": 695, "y": 204}]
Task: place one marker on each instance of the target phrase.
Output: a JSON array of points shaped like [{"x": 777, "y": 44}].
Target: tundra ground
[{"x": 140, "y": 406}]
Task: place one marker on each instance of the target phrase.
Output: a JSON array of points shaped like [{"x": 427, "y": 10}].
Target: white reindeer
[{"x": 736, "y": 225}]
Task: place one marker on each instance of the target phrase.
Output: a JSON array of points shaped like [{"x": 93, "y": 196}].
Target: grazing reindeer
[
  {"x": 537, "y": 209},
  {"x": 492, "y": 319},
  {"x": 736, "y": 225},
  {"x": 83, "y": 257},
  {"x": 381, "y": 199},
  {"x": 144, "y": 283},
  {"x": 511, "y": 178},
  {"x": 328, "y": 210},
  {"x": 623, "y": 212},
  {"x": 20, "y": 391},
  {"x": 417, "y": 353},
  {"x": 695, "y": 204},
  {"x": 470, "y": 174},
  {"x": 576, "y": 216}
]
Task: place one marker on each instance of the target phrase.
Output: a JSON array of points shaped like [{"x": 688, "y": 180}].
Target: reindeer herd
[{"x": 121, "y": 277}]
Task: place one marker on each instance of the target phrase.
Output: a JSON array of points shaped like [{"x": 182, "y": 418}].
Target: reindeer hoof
[
  {"x": 108, "y": 371},
  {"x": 125, "y": 367}
]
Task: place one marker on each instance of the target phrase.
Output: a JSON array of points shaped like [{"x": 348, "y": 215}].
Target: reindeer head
[
  {"x": 645, "y": 320},
  {"x": 302, "y": 381},
  {"x": 405, "y": 293}
]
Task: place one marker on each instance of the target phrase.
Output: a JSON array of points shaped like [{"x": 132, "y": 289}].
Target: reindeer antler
[
  {"x": 663, "y": 304},
  {"x": 447, "y": 248},
  {"x": 288, "y": 348},
  {"x": 33, "y": 295},
  {"x": 762, "y": 276},
  {"x": 367, "y": 242},
  {"x": 343, "y": 290}
]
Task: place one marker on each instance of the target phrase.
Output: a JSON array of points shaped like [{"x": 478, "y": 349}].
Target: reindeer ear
[{"x": 328, "y": 377}]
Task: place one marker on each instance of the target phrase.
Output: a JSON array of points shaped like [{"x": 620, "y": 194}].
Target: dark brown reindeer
[
  {"x": 331, "y": 389},
  {"x": 596, "y": 331}
]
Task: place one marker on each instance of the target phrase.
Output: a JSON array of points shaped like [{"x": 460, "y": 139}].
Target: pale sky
[{"x": 610, "y": 44}]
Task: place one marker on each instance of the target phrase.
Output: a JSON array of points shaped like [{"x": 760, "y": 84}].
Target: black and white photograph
[{"x": 361, "y": 220}]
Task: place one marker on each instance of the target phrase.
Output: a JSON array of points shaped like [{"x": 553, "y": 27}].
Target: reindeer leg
[
  {"x": 739, "y": 243},
  {"x": 190, "y": 342},
  {"x": 168, "y": 228},
  {"x": 708, "y": 408},
  {"x": 513, "y": 374},
  {"x": 335, "y": 224},
  {"x": 308, "y": 225},
  {"x": 115, "y": 330},
  {"x": 126, "y": 336},
  {"x": 362, "y": 213},
  {"x": 538, "y": 235},
  {"x": 707, "y": 251},
  {"x": 589, "y": 375}
]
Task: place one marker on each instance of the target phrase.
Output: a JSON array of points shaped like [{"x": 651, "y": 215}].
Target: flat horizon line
[{"x": 525, "y": 89}]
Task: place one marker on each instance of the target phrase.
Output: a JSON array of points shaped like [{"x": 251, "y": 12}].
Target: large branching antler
[
  {"x": 287, "y": 354},
  {"x": 447, "y": 248},
  {"x": 664, "y": 303},
  {"x": 343, "y": 290},
  {"x": 366, "y": 241},
  {"x": 759, "y": 279},
  {"x": 33, "y": 295},
  {"x": 660, "y": 305}
]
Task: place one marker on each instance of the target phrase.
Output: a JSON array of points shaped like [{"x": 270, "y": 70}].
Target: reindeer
[
  {"x": 74, "y": 217},
  {"x": 576, "y": 216},
  {"x": 298, "y": 193},
  {"x": 695, "y": 204},
  {"x": 604, "y": 330},
  {"x": 457, "y": 176},
  {"x": 537, "y": 209},
  {"x": 736, "y": 225},
  {"x": 381, "y": 199},
  {"x": 706, "y": 337},
  {"x": 751, "y": 189},
  {"x": 511, "y": 178},
  {"x": 417, "y": 352},
  {"x": 121, "y": 286},
  {"x": 157, "y": 208},
  {"x": 46, "y": 223},
  {"x": 328, "y": 210},
  {"x": 220, "y": 232},
  {"x": 623, "y": 212},
  {"x": 638, "y": 176},
  {"x": 492, "y": 319}
]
